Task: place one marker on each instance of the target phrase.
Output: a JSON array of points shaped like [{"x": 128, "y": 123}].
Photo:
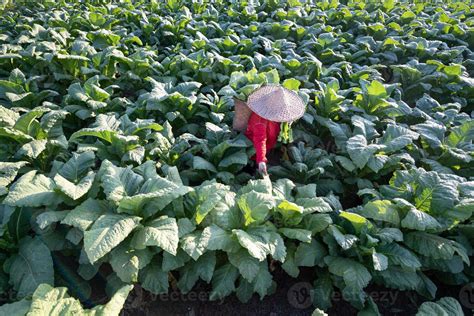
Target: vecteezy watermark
[
  {"x": 141, "y": 298},
  {"x": 466, "y": 295},
  {"x": 300, "y": 295},
  {"x": 193, "y": 296}
]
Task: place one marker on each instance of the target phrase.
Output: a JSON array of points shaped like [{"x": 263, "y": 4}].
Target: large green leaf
[
  {"x": 106, "y": 135},
  {"x": 248, "y": 266},
  {"x": 239, "y": 158},
  {"x": 154, "y": 279},
  {"x": 171, "y": 262},
  {"x": 389, "y": 234},
  {"x": 154, "y": 195},
  {"x": 127, "y": 262},
  {"x": 419, "y": 220},
  {"x": 119, "y": 182},
  {"x": 223, "y": 282},
  {"x": 209, "y": 195},
  {"x": 106, "y": 233},
  {"x": 289, "y": 265},
  {"x": 202, "y": 268},
  {"x": 47, "y": 300},
  {"x": 276, "y": 246},
  {"x": 346, "y": 241},
  {"x": 185, "y": 226},
  {"x": 399, "y": 255},
  {"x": 399, "y": 278},
  {"x": 32, "y": 149},
  {"x": 47, "y": 218},
  {"x": 462, "y": 133},
  {"x": 32, "y": 190},
  {"x": 200, "y": 163},
  {"x": 263, "y": 280},
  {"x": 255, "y": 206},
  {"x": 30, "y": 267},
  {"x": 77, "y": 167},
  {"x": 397, "y": 137},
  {"x": 86, "y": 213},
  {"x": 380, "y": 261},
  {"x": 255, "y": 241},
  {"x": 221, "y": 239},
  {"x": 434, "y": 246},
  {"x": 382, "y": 210},
  {"x": 161, "y": 232},
  {"x": 74, "y": 190},
  {"x": 317, "y": 222},
  {"x": 292, "y": 213},
  {"x": 309, "y": 255},
  {"x": 354, "y": 273},
  {"x": 8, "y": 117},
  {"x": 195, "y": 243},
  {"x": 8, "y": 172},
  {"x": 303, "y": 235},
  {"x": 322, "y": 291},
  {"x": 446, "y": 306},
  {"x": 25, "y": 122},
  {"x": 116, "y": 303},
  {"x": 13, "y": 134},
  {"x": 314, "y": 204},
  {"x": 359, "y": 151}
]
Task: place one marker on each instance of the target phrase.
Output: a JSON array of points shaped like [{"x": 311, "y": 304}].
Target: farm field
[{"x": 125, "y": 190}]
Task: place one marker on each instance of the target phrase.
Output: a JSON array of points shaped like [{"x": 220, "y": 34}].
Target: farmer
[{"x": 272, "y": 108}]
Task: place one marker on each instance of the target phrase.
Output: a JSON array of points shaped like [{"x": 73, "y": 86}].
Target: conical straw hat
[{"x": 276, "y": 103}]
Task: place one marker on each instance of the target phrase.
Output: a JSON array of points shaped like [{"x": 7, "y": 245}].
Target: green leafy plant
[{"x": 117, "y": 152}]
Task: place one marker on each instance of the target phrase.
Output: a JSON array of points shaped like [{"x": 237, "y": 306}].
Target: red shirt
[{"x": 264, "y": 135}]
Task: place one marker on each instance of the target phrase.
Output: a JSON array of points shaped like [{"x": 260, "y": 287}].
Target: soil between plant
[{"x": 290, "y": 298}]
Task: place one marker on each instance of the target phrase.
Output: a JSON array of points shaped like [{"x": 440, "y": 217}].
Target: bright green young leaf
[
  {"x": 255, "y": 206},
  {"x": 381, "y": 210}
]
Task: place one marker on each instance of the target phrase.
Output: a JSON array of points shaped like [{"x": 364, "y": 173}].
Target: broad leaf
[
  {"x": 32, "y": 190},
  {"x": 106, "y": 233},
  {"x": 161, "y": 232},
  {"x": 32, "y": 266},
  {"x": 354, "y": 273},
  {"x": 223, "y": 282}
]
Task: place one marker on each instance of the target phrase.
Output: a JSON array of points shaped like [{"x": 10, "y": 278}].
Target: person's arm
[{"x": 260, "y": 140}]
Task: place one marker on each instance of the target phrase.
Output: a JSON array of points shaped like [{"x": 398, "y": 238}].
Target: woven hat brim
[{"x": 276, "y": 103}]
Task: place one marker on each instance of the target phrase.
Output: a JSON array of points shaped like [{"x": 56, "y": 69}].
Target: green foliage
[
  {"x": 47, "y": 300},
  {"x": 116, "y": 149},
  {"x": 444, "y": 306}
]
